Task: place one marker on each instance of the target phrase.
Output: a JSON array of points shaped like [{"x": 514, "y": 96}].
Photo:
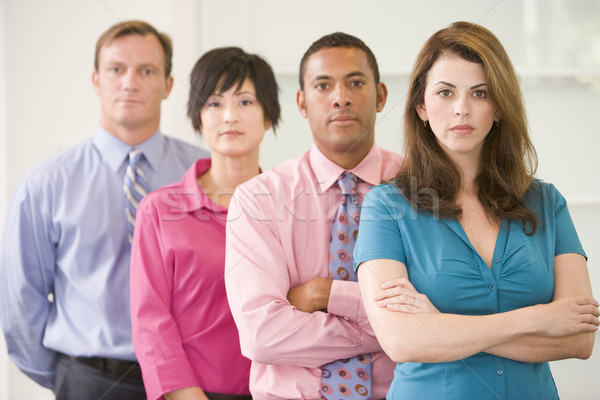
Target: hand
[
  {"x": 401, "y": 295},
  {"x": 311, "y": 296},
  {"x": 567, "y": 316}
]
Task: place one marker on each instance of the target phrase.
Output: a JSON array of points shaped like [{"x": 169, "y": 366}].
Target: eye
[
  {"x": 480, "y": 94},
  {"x": 246, "y": 102},
  {"x": 322, "y": 86},
  {"x": 357, "y": 83},
  {"x": 115, "y": 70},
  {"x": 213, "y": 104},
  {"x": 445, "y": 93},
  {"x": 147, "y": 71}
]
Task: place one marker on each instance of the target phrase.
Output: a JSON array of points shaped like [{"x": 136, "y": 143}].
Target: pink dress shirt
[
  {"x": 183, "y": 332},
  {"x": 278, "y": 234}
]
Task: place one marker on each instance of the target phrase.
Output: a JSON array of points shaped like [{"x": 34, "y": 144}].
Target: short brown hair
[
  {"x": 140, "y": 28},
  {"x": 220, "y": 69}
]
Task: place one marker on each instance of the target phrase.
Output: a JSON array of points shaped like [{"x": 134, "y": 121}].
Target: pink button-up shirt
[
  {"x": 183, "y": 332},
  {"x": 278, "y": 234}
]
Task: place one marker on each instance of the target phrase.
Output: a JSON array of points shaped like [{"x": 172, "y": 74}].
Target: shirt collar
[
  {"x": 327, "y": 172},
  {"x": 115, "y": 151},
  {"x": 193, "y": 195}
]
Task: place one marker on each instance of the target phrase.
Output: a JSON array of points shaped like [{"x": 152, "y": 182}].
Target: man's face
[
  {"x": 341, "y": 99},
  {"x": 131, "y": 84}
]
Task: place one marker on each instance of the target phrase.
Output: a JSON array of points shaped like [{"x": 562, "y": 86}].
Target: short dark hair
[
  {"x": 338, "y": 39},
  {"x": 219, "y": 69},
  {"x": 141, "y": 28}
]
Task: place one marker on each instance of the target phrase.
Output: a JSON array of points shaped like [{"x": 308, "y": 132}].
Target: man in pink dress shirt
[{"x": 291, "y": 315}]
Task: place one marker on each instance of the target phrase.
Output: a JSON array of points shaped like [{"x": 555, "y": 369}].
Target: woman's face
[
  {"x": 457, "y": 107},
  {"x": 233, "y": 122}
]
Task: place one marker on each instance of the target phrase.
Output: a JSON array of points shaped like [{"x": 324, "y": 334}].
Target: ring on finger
[{"x": 416, "y": 303}]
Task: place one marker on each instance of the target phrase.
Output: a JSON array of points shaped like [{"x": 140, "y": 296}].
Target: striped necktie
[
  {"x": 348, "y": 379},
  {"x": 135, "y": 186}
]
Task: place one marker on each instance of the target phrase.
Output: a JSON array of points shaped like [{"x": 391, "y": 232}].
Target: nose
[
  {"x": 462, "y": 106},
  {"x": 230, "y": 114},
  {"x": 130, "y": 79},
  {"x": 341, "y": 96}
]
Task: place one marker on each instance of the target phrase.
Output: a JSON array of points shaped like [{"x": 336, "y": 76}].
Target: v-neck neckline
[{"x": 499, "y": 247}]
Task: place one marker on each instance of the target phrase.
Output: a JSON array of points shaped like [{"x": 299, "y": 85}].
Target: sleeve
[
  {"x": 26, "y": 282},
  {"x": 156, "y": 339},
  {"x": 567, "y": 240},
  {"x": 257, "y": 280},
  {"x": 379, "y": 235}
]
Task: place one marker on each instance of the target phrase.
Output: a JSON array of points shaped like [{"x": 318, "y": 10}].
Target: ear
[
  {"x": 422, "y": 112},
  {"x": 95, "y": 82},
  {"x": 168, "y": 86},
  {"x": 300, "y": 101},
  {"x": 382, "y": 93}
]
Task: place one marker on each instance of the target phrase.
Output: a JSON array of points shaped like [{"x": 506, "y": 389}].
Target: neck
[
  {"x": 225, "y": 174},
  {"x": 133, "y": 136},
  {"x": 348, "y": 159},
  {"x": 468, "y": 167}
]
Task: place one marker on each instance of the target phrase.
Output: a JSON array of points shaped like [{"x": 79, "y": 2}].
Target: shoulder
[
  {"x": 184, "y": 149},
  {"x": 385, "y": 198},
  {"x": 384, "y": 190},
  {"x": 287, "y": 174},
  {"x": 542, "y": 194},
  {"x": 391, "y": 163},
  {"x": 63, "y": 165}
]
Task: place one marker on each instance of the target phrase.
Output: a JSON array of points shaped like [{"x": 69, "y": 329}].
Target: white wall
[{"x": 50, "y": 104}]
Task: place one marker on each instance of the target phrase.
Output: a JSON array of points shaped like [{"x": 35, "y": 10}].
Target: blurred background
[{"x": 47, "y": 102}]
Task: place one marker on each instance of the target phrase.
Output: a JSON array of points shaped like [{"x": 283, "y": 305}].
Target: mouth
[
  {"x": 129, "y": 101},
  {"x": 231, "y": 133},
  {"x": 462, "y": 129},
  {"x": 343, "y": 119}
]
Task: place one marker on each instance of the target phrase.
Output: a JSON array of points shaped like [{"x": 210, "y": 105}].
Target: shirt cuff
[{"x": 345, "y": 301}]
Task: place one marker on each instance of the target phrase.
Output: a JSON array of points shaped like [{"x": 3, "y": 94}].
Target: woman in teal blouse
[{"x": 466, "y": 225}]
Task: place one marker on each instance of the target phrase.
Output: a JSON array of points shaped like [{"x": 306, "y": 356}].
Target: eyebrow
[
  {"x": 454, "y": 86},
  {"x": 350, "y": 75},
  {"x": 235, "y": 94}
]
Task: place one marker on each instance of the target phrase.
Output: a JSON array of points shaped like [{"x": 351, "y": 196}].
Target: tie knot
[
  {"x": 347, "y": 183},
  {"x": 134, "y": 156}
]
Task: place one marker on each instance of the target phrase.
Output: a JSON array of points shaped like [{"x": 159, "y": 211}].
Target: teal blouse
[{"x": 442, "y": 264}]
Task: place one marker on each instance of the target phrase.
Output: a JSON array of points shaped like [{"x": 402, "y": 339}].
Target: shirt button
[
  {"x": 492, "y": 286},
  {"x": 497, "y": 260},
  {"x": 499, "y": 372},
  {"x": 346, "y": 318}
]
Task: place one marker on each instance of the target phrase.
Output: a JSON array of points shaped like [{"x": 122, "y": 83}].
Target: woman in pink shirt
[{"x": 183, "y": 333}]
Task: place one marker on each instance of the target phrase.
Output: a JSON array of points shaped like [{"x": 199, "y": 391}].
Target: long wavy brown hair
[{"x": 429, "y": 179}]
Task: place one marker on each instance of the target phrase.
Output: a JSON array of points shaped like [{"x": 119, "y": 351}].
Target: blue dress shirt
[
  {"x": 442, "y": 263},
  {"x": 64, "y": 262}
]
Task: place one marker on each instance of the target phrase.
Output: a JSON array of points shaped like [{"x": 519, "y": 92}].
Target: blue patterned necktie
[
  {"x": 135, "y": 186},
  {"x": 350, "y": 378}
]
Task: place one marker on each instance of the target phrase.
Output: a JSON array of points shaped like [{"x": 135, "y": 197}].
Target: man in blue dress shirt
[{"x": 64, "y": 262}]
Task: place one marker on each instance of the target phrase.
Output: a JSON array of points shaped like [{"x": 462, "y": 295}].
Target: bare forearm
[
  {"x": 188, "y": 393},
  {"x": 436, "y": 337},
  {"x": 542, "y": 349}
]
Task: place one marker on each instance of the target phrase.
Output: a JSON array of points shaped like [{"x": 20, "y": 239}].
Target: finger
[
  {"x": 589, "y": 319},
  {"x": 589, "y": 309},
  {"x": 401, "y": 299},
  {"x": 401, "y": 308},
  {"x": 392, "y": 292},
  {"x": 588, "y": 327},
  {"x": 583, "y": 300}
]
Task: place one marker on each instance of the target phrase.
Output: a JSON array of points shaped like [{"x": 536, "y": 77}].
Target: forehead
[
  {"x": 134, "y": 49},
  {"x": 247, "y": 86},
  {"x": 456, "y": 70},
  {"x": 336, "y": 62}
]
